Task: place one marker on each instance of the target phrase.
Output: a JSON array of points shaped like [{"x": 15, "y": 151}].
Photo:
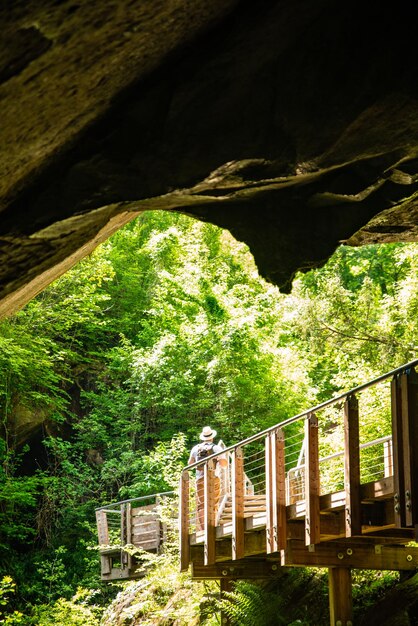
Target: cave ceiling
[{"x": 292, "y": 123}]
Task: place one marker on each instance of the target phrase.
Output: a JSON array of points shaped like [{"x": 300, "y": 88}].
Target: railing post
[
  {"x": 275, "y": 492},
  {"x": 209, "y": 513},
  {"x": 184, "y": 521},
  {"x": 398, "y": 460},
  {"x": 388, "y": 458},
  {"x": 103, "y": 535},
  {"x": 312, "y": 489},
  {"x": 280, "y": 488},
  {"x": 409, "y": 403},
  {"x": 123, "y": 554},
  {"x": 269, "y": 494},
  {"x": 352, "y": 467},
  {"x": 237, "y": 491},
  {"x": 128, "y": 513}
]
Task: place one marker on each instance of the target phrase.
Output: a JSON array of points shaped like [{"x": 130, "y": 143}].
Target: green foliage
[
  {"x": 369, "y": 586},
  {"x": 164, "y": 596},
  {"x": 79, "y": 611},
  {"x": 251, "y": 605},
  {"x": 297, "y": 596},
  {"x": 18, "y": 501},
  {"x": 8, "y": 617}
]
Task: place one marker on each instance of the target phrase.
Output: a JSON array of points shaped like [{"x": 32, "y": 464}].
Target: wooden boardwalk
[{"x": 335, "y": 487}]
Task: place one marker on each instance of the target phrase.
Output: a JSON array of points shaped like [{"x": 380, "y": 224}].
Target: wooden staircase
[{"x": 253, "y": 505}]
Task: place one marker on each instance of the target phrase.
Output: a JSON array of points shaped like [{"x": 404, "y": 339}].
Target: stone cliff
[{"x": 292, "y": 124}]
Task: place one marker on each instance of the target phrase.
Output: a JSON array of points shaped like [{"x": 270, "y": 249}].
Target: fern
[{"x": 251, "y": 605}]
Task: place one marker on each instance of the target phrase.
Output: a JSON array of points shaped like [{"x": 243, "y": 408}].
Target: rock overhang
[{"x": 294, "y": 125}]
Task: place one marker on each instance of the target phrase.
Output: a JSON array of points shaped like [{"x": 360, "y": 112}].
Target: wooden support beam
[
  {"x": 184, "y": 521},
  {"x": 398, "y": 460},
  {"x": 340, "y": 596},
  {"x": 312, "y": 490},
  {"x": 362, "y": 555},
  {"x": 245, "y": 569},
  {"x": 237, "y": 492},
  {"x": 352, "y": 467},
  {"x": 209, "y": 513},
  {"x": 255, "y": 544}
]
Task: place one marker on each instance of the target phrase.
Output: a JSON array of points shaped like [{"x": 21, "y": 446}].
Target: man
[{"x": 199, "y": 453}]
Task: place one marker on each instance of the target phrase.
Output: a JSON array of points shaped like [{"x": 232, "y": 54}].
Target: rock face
[{"x": 292, "y": 124}]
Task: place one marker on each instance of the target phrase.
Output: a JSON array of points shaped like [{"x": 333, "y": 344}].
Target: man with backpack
[{"x": 201, "y": 452}]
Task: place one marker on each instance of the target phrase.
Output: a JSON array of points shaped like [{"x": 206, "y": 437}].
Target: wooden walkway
[{"x": 315, "y": 490}]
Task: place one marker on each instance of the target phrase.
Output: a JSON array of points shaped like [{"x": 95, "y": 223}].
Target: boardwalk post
[
  {"x": 340, "y": 596},
  {"x": 123, "y": 554},
  {"x": 184, "y": 521},
  {"x": 269, "y": 494},
  {"x": 128, "y": 513},
  {"x": 312, "y": 490},
  {"x": 279, "y": 478},
  {"x": 409, "y": 401},
  {"x": 352, "y": 467},
  {"x": 237, "y": 489},
  {"x": 275, "y": 492},
  {"x": 103, "y": 532},
  {"x": 388, "y": 458},
  {"x": 209, "y": 513},
  {"x": 398, "y": 460},
  {"x": 398, "y": 456}
]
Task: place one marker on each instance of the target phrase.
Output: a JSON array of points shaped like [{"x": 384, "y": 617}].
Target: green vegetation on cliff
[{"x": 107, "y": 377}]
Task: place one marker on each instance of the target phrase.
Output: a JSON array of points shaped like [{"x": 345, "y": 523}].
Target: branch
[{"x": 365, "y": 337}]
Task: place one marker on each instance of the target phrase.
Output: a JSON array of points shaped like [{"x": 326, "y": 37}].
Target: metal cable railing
[{"x": 375, "y": 456}]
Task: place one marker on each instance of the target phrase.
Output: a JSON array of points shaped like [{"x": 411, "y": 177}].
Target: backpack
[{"x": 204, "y": 450}]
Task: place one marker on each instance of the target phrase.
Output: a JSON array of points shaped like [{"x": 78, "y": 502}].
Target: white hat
[{"x": 207, "y": 433}]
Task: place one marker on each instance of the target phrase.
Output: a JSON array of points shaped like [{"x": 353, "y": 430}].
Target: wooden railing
[
  {"x": 126, "y": 526},
  {"x": 340, "y": 452},
  {"x": 335, "y": 486}
]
